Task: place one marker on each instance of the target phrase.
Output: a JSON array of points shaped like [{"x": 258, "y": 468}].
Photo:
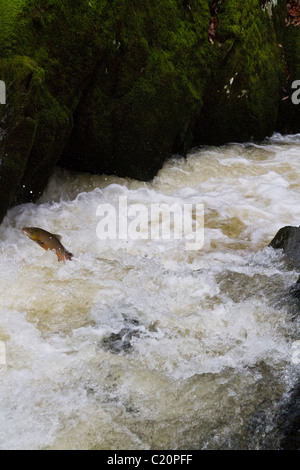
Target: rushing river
[{"x": 144, "y": 344}]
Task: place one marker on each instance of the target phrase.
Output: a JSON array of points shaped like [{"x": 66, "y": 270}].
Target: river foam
[{"x": 143, "y": 344}]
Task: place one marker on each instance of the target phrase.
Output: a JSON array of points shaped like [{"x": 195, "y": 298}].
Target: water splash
[{"x": 147, "y": 345}]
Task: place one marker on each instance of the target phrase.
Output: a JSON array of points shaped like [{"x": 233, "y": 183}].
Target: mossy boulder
[{"x": 116, "y": 86}]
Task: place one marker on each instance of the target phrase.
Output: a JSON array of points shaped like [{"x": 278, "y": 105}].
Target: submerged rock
[
  {"x": 288, "y": 239},
  {"x": 110, "y": 86}
]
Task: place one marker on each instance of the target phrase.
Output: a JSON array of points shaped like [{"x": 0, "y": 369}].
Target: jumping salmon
[{"x": 48, "y": 241}]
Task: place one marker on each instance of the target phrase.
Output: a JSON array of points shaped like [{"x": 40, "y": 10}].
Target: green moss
[{"x": 9, "y": 10}]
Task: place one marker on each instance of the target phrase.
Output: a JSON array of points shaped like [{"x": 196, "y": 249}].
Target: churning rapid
[{"x": 144, "y": 344}]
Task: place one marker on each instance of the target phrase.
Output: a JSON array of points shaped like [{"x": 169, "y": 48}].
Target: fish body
[{"x": 48, "y": 241}]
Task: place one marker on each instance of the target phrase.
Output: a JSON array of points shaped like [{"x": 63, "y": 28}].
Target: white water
[{"x": 144, "y": 344}]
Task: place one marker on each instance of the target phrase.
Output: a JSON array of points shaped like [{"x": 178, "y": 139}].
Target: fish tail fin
[
  {"x": 68, "y": 255},
  {"x": 64, "y": 255}
]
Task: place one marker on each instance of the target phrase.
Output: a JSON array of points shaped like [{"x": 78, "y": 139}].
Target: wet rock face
[{"x": 116, "y": 87}]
